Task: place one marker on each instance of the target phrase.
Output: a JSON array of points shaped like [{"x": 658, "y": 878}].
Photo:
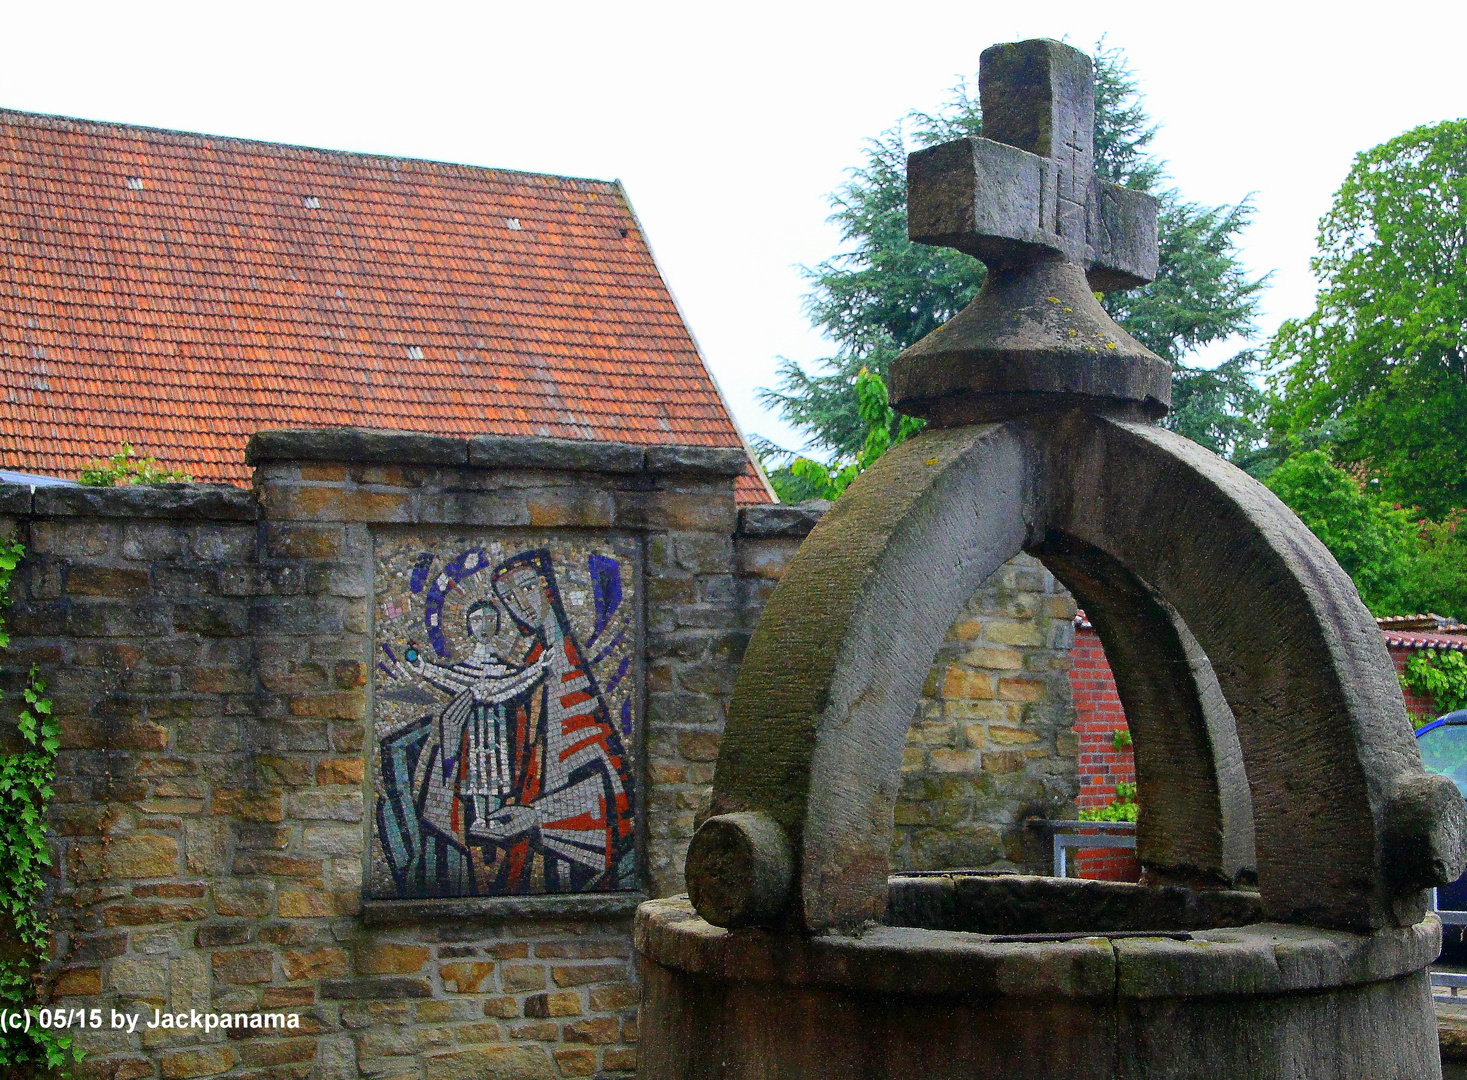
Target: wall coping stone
[
  {"x": 782, "y": 519},
  {"x": 382, "y": 447},
  {"x": 373, "y": 446},
  {"x": 531, "y": 452},
  {"x": 717, "y": 460},
  {"x": 610, "y": 905},
  {"x": 15, "y": 498},
  {"x": 199, "y": 502}
]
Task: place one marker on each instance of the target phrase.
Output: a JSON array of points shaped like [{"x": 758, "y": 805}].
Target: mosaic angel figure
[{"x": 520, "y": 782}]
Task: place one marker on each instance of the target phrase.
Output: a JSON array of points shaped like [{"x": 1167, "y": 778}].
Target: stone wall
[
  {"x": 697, "y": 631},
  {"x": 210, "y": 657},
  {"x": 992, "y": 744},
  {"x": 208, "y": 653}
]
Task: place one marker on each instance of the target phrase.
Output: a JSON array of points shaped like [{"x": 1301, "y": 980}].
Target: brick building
[
  {"x": 1406, "y": 634},
  {"x": 1105, "y": 759}
]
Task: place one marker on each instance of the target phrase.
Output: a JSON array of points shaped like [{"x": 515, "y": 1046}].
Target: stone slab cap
[
  {"x": 376, "y": 446},
  {"x": 195, "y": 502},
  {"x": 709, "y": 460},
  {"x": 15, "y": 498},
  {"x": 1346, "y": 830},
  {"x": 885, "y": 959},
  {"x": 1270, "y": 958},
  {"x": 1265, "y": 958},
  {"x": 530, "y": 452},
  {"x": 1025, "y": 200},
  {"x": 782, "y": 520},
  {"x": 370, "y": 446},
  {"x": 1027, "y": 904},
  {"x": 502, "y": 909}
]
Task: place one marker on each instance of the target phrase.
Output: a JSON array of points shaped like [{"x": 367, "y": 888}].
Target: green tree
[
  {"x": 803, "y": 478},
  {"x": 1400, "y": 565},
  {"x": 1372, "y": 540},
  {"x": 885, "y": 293},
  {"x": 1217, "y": 407},
  {"x": 1380, "y": 368},
  {"x": 1437, "y": 577}
]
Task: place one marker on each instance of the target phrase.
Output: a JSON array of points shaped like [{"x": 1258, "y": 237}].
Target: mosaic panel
[{"x": 504, "y": 701}]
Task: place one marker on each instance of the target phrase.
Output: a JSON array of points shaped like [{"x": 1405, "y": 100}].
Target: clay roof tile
[{"x": 181, "y": 291}]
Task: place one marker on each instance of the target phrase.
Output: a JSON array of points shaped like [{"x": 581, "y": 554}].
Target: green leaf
[
  {"x": 1380, "y": 366},
  {"x": 125, "y": 467},
  {"x": 25, "y": 788}
]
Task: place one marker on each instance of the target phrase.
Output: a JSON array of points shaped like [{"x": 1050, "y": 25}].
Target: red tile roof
[
  {"x": 1430, "y": 622},
  {"x": 1398, "y": 639},
  {"x": 1425, "y": 631},
  {"x": 182, "y": 291},
  {"x": 1449, "y": 634}
]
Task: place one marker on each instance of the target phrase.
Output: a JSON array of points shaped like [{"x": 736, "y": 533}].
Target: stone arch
[
  {"x": 1196, "y": 827},
  {"x": 1348, "y": 827},
  {"x": 1300, "y": 661},
  {"x": 832, "y": 674}
]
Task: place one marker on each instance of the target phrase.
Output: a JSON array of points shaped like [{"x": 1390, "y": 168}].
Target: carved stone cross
[
  {"x": 1029, "y": 187},
  {"x": 1026, "y": 201}
]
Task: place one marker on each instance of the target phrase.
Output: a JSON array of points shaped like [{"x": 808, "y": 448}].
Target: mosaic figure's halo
[
  {"x": 454, "y": 612},
  {"x": 461, "y": 581}
]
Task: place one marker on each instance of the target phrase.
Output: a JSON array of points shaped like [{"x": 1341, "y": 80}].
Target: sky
[{"x": 731, "y": 124}]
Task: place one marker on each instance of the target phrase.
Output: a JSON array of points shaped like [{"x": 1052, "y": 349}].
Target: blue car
[{"x": 1444, "y": 750}]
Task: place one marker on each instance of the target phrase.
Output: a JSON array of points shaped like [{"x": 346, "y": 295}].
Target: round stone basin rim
[
  {"x": 1264, "y": 958},
  {"x": 1005, "y": 904}
]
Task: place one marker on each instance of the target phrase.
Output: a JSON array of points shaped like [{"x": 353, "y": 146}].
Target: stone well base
[{"x": 906, "y": 1003}]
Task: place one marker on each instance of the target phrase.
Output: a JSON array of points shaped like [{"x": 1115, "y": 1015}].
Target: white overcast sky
[{"x": 730, "y": 123}]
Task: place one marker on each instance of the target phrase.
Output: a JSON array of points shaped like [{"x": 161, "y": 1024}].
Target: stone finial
[{"x": 1027, "y": 202}]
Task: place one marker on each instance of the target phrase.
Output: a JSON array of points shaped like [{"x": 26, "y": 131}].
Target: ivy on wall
[
  {"x": 1440, "y": 674},
  {"x": 27, "y": 768},
  {"x": 1122, "y": 808}
]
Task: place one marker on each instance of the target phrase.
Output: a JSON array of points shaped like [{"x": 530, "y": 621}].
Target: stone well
[{"x": 1287, "y": 831}]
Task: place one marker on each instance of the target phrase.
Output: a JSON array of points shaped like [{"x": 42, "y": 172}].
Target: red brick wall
[
  {"x": 1098, "y": 716},
  {"x": 1418, "y": 705}
]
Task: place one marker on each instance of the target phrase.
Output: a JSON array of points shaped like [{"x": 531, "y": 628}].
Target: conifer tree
[{"x": 884, "y": 292}]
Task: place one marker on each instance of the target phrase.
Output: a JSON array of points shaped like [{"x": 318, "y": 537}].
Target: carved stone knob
[
  {"x": 1425, "y": 833},
  {"x": 739, "y": 870}
]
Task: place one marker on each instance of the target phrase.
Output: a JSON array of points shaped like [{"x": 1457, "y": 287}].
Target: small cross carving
[{"x": 1028, "y": 192}]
